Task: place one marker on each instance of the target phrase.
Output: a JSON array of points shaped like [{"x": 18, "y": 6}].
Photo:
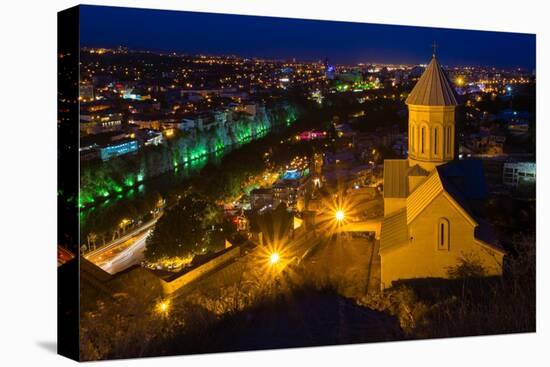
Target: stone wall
[{"x": 177, "y": 282}]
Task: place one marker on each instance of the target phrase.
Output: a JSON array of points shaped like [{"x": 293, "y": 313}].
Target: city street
[{"x": 122, "y": 254}]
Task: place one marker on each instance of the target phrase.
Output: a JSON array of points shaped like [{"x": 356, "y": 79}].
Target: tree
[
  {"x": 182, "y": 229},
  {"x": 468, "y": 266},
  {"x": 92, "y": 238},
  {"x": 274, "y": 224}
]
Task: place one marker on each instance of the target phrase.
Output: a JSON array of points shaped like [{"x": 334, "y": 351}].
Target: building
[
  {"x": 156, "y": 121},
  {"x": 250, "y": 108},
  {"x": 148, "y": 137},
  {"x": 430, "y": 225},
  {"x": 88, "y": 153},
  {"x": 187, "y": 124},
  {"x": 516, "y": 174},
  {"x": 63, "y": 255},
  {"x": 86, "y": 92},
  {"x": 100, "y": 122},
  {"x": 203, "y": 120},
  {"x": 118, "y": 148},
  {"x": 282, "y": 194},
  {"x": 260, "y": 198}
]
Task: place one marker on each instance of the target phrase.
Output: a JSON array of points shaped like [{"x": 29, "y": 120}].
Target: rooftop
[
  {"x": 396, "y": 182},
  {"x": 433, "y": 88}
]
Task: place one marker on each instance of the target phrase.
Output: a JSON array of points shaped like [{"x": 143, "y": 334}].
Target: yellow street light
[
  {"x": 339, "y": 215},
  {"x": 274, "y": 258},
  {"x": 163, "y": 307}
]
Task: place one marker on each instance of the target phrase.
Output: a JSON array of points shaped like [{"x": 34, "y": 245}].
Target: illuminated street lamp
[
  {"x": 163, "y": 307},
  {"x": 339, "y": 215},
  {"x": 274, "y": 258}
]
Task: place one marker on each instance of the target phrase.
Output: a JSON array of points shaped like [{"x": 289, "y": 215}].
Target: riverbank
[{"x": 215, "y": 175}]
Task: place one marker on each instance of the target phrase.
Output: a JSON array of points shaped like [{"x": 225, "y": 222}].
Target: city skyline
[
  {"x": 341, "y": 42},
  {"x": 246, "y": 193}
]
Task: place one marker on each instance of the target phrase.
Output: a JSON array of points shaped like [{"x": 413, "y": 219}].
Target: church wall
[
  {"x": 393, "y": 204},
  {"x": 421, "y": 258}
]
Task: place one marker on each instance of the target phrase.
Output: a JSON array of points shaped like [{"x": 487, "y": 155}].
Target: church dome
[{"x": 433, "y": 88}]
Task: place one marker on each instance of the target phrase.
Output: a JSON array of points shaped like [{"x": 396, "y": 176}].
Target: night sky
[{"x": 306, "y": 40}]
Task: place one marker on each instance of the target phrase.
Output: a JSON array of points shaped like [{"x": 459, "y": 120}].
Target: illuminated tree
[
  {"x": 92, "y": 238},
  {"x": 183, "y": 229}
]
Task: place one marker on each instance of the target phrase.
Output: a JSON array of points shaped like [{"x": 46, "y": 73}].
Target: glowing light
[
  {"x": 339, "y": 215},
  {"x": 274, "y": 258},
  {"x": 129, "y": 182},
  {"x": 163, "y": 307}
]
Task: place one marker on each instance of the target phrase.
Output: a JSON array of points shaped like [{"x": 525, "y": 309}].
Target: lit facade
[
  {"x": 428, "y": 228},
  {"x": 118, "y": 149},
  {"x": 519, "y": 173}
]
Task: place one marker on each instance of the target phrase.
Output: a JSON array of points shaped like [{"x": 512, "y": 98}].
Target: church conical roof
[{"x": 433, "y": 88}]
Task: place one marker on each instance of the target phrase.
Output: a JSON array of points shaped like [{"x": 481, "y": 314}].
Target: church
[{"x": 430, "y": 224}]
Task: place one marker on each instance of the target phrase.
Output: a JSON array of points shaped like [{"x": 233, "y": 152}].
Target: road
[
  {"x": 123, "y": 253},
  {"x": 122, "y": 239}
]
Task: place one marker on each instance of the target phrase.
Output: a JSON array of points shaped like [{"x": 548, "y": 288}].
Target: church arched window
[
  {"x": 415, "y": 137},
  {"x": 411, "y": 138},
  {"x": 445, "y": 142},
  {"x": 443, "y": 234},
  {"x": 448, "y": 136},
  {"x": 436, "y": 136},
  {"x": 423, "y": 139}
]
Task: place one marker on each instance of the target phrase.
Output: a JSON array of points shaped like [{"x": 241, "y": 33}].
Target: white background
[{"x": 28, "y": 181}]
